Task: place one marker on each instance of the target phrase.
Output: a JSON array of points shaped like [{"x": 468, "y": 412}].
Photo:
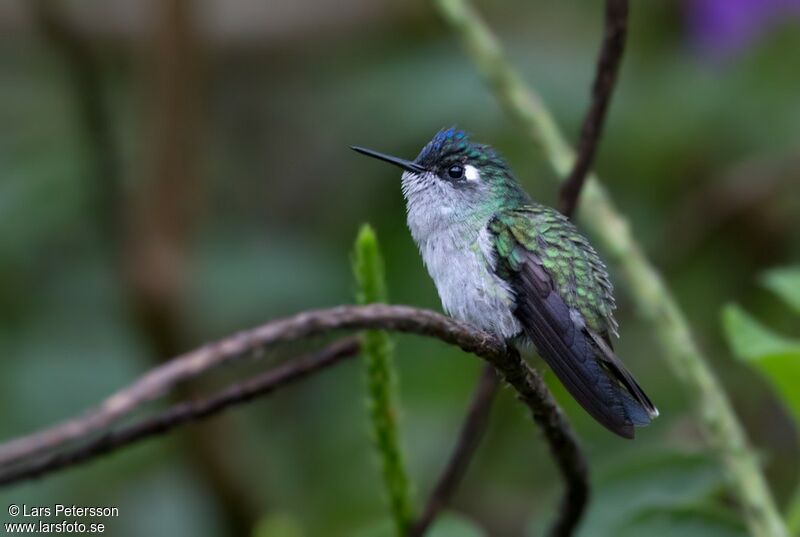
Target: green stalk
[
  {"x": 647, "y": 290},
  {"x": 378, "y": 356}
]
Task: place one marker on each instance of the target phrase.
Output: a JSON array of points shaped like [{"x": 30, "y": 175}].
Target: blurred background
[{"x": 175, "y": 170}]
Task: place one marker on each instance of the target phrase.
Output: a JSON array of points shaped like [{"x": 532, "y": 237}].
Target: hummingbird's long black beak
[{"x": 407, "y": 165}]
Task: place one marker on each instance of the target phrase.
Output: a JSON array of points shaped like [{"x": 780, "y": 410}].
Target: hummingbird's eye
[{"x": 456, "y": 171}]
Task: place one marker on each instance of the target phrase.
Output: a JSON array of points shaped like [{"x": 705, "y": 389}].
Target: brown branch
[
  {"x": 565, "y": 450},
  {"x": 608, "y": 62},
  {"x": 529, "y": 386},
  {"x": 472, "y": 430},
  {"x": 159, "y": 380},
  {"x": 189, "y": 411}
]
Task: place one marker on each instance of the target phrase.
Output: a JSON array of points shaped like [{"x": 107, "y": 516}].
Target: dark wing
[
  {"x": 580, "y": 358},
  {"x": 620, "y": 373}
]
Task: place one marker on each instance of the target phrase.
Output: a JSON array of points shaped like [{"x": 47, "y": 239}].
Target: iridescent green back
[{"x": 577, "y": 272}]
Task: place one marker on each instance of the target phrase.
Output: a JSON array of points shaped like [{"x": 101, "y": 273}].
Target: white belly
[{"x": 462, "y": 269}]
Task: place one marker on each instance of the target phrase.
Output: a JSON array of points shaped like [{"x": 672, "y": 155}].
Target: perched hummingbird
[{"x": 518, "y": 269}]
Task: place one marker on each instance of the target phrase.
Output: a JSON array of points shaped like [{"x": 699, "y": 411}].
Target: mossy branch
[
  {"x": 378, "y": 360},
  {"x": 647, "y": 290}
]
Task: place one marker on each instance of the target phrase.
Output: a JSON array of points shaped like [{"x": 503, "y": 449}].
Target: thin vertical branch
[
  {"x": 563, "y": 446},
  {"x": 472, "y": 431},
  {"x": 160, "y": 216},
  {"x": 378, "y": 358},
  {"x": 647, "y": 290},
  {"x": 608, "y": 62}
]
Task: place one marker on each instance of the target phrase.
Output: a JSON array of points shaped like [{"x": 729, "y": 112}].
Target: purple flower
[{"x": 721, "y": 28}]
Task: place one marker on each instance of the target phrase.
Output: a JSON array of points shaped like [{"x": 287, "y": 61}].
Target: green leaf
[
  {"x": 783, "y": 372},
  {"x": 775, "y": 356},
  {"x": 750, "y": 340},
  {"x": 785, "y": 282},
  {"x": 693, "y": 521}
]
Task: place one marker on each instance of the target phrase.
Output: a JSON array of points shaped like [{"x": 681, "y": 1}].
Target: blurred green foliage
[
  {"x": 773, "y": 355},
  {"x": 446, "y": 525},
  {"x": 278, "y": 525}
]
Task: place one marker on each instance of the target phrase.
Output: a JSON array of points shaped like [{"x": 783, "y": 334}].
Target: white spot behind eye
[{"x": 472, "y": 173}]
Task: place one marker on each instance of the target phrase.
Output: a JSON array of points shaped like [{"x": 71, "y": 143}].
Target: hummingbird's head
[{"x": 455, "y": 177}]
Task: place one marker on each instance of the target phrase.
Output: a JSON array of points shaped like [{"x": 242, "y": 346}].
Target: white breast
[
  {"x": 462, "y": 269},
  {"x": 457, "y": 251}
]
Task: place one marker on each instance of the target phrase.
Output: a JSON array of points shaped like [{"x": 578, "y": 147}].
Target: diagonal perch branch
[
  {"x": 188, "y": 411},
  {"x": 529, "y": 386},
  {"x": 159, "y": 380}
]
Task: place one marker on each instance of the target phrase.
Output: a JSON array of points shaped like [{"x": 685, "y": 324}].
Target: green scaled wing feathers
[
  {"x": 577, "y": 271},
  {"x": 562, "y": 299}
]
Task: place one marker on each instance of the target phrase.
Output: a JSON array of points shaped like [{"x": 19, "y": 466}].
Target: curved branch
[
  {"x": 608, "y": 61},
  {"x": 159, "y": 380},
  {"x": 529, "y": 386},
  {"x": 570, "y": 459},
  {"x": 189, "y": 411}
]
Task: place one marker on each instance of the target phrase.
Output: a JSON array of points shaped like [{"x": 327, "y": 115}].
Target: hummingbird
[{"x": 519, "y": 270}]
